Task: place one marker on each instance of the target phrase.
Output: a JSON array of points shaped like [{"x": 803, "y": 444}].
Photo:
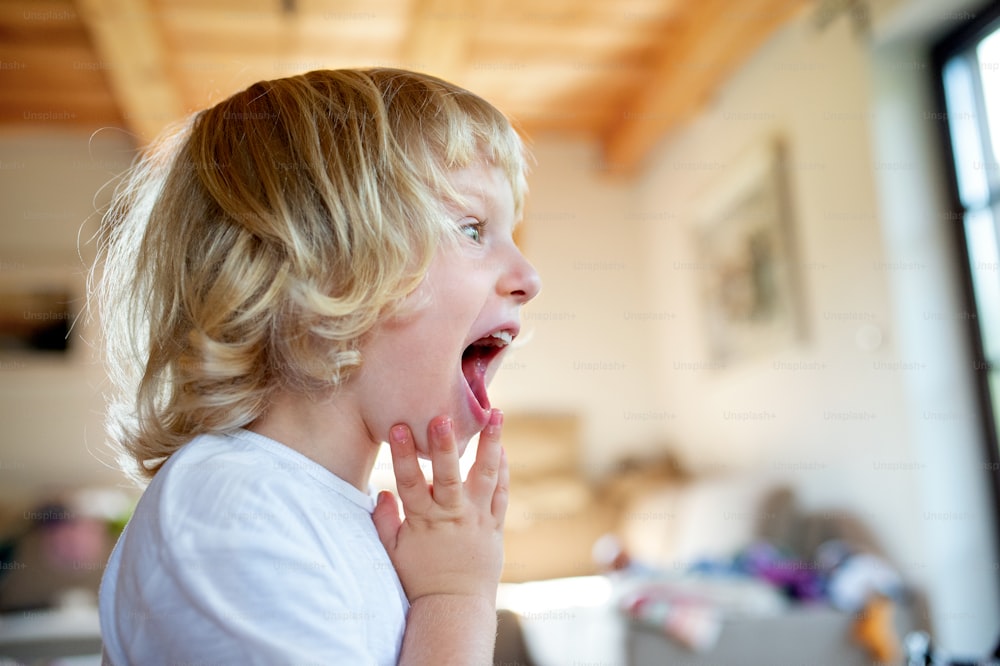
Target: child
[{"x": 314, "y": 265}]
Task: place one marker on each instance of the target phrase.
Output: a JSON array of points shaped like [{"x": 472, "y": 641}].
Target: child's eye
[{"x": 474, "y": 230}]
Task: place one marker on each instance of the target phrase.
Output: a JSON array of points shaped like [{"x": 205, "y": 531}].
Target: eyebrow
[
  {"x": 478, "y": 192},
  {"x": 477, "y": 196}
]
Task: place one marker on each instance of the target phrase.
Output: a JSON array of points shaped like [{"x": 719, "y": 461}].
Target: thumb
[{"x": 386, "y": 518}]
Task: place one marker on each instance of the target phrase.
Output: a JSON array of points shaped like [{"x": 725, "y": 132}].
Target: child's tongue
[{"x": 474, "y": 368}]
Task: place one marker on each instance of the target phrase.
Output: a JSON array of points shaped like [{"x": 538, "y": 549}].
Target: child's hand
[{"x": 451, "y": 541}]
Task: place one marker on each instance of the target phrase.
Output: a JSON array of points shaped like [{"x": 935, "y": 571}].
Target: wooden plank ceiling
[{"x": 621, "y": 72}]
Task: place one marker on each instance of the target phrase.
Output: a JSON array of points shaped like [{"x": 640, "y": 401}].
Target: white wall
[
  {"x": 827, "y": 412},
  {"x": 51, "y": 433}
]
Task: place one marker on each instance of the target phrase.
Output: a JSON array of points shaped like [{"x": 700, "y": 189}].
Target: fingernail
[
  {"x": 398, "y": 433},
  {"x": 443, "y": 427},
  {"x": 496, "y": 418}
]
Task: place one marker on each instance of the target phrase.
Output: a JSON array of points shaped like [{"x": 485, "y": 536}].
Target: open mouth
[{"x": 476, "y": 361}]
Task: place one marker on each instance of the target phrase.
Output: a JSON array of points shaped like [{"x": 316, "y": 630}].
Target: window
[{"x": 968, "y": 65}]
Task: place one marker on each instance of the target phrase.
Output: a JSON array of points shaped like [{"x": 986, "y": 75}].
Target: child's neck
[{"x": 325, "y": 431}]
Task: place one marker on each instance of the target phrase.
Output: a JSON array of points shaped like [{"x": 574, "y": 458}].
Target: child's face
[{"x": 426, "y": 363}]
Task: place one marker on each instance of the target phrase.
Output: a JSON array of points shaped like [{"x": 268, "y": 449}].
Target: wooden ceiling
[{"x": 621, "y": 72}]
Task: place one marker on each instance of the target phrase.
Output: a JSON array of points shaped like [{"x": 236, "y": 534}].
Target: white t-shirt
[{"x": 243, "y": 551}]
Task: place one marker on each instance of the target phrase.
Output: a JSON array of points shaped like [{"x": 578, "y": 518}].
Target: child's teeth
[{"x": 503, "y": 336}]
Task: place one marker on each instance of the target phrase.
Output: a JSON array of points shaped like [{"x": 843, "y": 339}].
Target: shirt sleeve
[{"x": 245, "y": 580}]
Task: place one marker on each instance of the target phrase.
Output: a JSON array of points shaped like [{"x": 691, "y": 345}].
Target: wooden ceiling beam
[
  {"x": 126, "y": 36},
  {"x": 711, "y": 41}
]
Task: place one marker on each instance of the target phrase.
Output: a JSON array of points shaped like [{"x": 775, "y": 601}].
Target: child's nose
[{"x": 521, "y": 280}]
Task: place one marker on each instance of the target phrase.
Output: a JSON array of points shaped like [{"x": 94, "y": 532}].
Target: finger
[
  {"x": 386, "y": 519},
  {"x": 447, "y": 488},
  {"x": 501, "y": 496},
  {"x": 482, "y": 480},
  {"x": 410, "y": 482}
]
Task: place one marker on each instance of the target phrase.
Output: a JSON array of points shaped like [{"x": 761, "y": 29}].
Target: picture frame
[
  {"x": 749, "y": 286},
  {"x": 39, "y": 306}
]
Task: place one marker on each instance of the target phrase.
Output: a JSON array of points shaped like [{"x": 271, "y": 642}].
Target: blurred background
[{"x": 767, "y": 264}]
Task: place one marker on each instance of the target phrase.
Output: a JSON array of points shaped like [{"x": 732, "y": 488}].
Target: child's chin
[{"x": 424, "y": 454}]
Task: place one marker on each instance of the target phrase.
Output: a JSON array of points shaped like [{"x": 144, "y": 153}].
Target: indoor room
[{"x": 750, "y": 417}]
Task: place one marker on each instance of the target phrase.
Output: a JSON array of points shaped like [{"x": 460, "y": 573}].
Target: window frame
[{"x": 957, "y": 43}]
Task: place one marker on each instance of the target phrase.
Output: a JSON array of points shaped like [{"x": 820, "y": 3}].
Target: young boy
[{"x": 313, "y": 266}]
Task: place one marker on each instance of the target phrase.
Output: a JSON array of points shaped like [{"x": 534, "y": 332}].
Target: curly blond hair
[{"x": 252, "y": 248}]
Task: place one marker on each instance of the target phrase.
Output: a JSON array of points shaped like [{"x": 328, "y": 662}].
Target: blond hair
[{"x": 253, "y": 247}]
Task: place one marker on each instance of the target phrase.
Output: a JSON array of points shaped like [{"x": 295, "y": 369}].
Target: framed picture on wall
[
  {"x": 38, "y": 307},
  {"x": 744, "y": 241}
]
